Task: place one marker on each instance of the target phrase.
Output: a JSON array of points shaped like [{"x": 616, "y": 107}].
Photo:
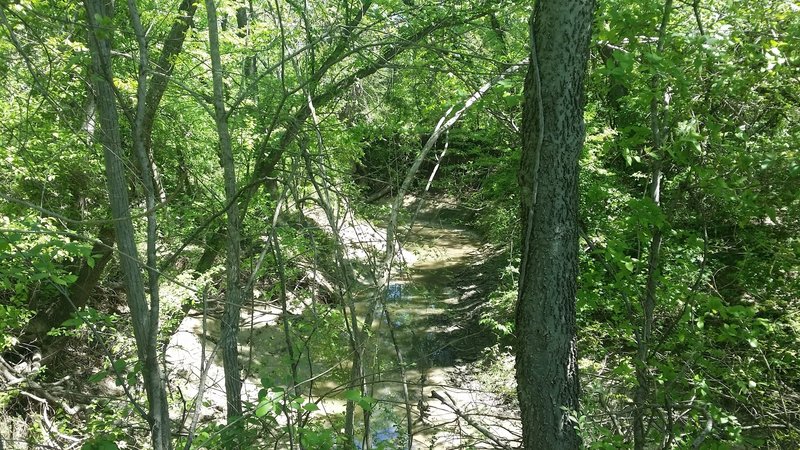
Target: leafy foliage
[{"x": 328, "y": 104}]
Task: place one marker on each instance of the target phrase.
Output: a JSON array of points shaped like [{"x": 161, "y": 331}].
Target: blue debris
[
  {"x": 394, "y": 291},
  {"x": 387, "y": 434}
]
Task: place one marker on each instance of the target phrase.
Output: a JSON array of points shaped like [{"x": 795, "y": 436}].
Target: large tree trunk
[
  {"x": 553, "y": 133},
  {"x": 100, "y": 47}
]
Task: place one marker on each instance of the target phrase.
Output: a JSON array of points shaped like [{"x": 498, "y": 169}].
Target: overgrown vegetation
[{"x": 328, "y": 105}]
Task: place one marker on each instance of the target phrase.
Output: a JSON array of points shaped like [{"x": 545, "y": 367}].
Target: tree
[
  {"x": 272, "y": 137},
  {"x": 648, "y": 302},
  {"x": 143, "y": 317},
  {"x": 233, "y": 305},
  {"x": 553, "y": 133}
]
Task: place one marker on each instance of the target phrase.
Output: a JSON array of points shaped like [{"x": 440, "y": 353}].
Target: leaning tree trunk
[
  {"x": 100, "y": 47},
  {"x": 80, "y": 291},
  {"x": 553, "y": 132}
]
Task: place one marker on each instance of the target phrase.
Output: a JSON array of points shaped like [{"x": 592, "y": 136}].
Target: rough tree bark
[
  {"x": 100, "y": 48},
  {"x": 553, "y": 133}
]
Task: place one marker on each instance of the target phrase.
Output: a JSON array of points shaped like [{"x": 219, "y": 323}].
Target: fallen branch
[
  {"x": 483, "y": 430},
  {"x": 48, "y": 398},
  {"x": 41, "y": 393}
]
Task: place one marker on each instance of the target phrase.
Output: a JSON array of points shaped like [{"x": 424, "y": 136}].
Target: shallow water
[
  {"x": 423, "y": 306},
  {"x": 421, "y": 303}
]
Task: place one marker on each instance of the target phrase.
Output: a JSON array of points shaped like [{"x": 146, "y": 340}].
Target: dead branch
[{"x": 474, "y": 424}]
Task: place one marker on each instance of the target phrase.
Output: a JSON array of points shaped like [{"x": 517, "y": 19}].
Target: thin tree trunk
[
  {"x": 89, "y": 277},
  {"x": 158, "y": 85},
  {"x": 553, "y": 133},
  {"x": 358, "y": 334},
  {"x": 642, "y": 394},
  {"x": 268, "y": 157},
  {"x": 100, "y": 47},
  {"x": 150, "y": 182},
  {"x": 287, "y": 331},
  {"x": 233, "y": 296}
]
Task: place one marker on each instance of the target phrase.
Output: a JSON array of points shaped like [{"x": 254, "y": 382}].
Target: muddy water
[
  {"x": 424, "y": 323},
  {"x": 420, "y": 300},
  {"x": 425, "y": 308}
]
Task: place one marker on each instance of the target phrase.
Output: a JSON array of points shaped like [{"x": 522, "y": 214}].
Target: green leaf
[
  {"x": 512, "y": 100},
  {"x": 653, "y": 57},
  {"x": 119, "y": 365},
  {"x": 310, "y": 407},
  {"x": 264, "y": 407},
  {"x": 98, "y": 377},
  {"x": 100, "y": 444},
  {"x": 353, "y": 395},
  {"x": 366, "y": 403},
  {"x": 73, "y": 322}
]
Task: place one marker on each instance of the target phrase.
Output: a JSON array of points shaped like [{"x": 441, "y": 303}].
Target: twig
[
  {"x": 706, "y": 431},
  {"x": 450, "y": 404}
]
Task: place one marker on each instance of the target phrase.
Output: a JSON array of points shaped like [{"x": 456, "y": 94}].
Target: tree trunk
[
  {"x": 553, "y": 133},
  {"x": 79, "y": 292},
  {"x": 642, "y": 394},
  {"x": 268, "y": 157},
  {"x": 88, "y": 277},
  {"x": 159, "y": 82},
  {"x": 100, "y": 47},
  {"x": 230, "y": 320}
]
